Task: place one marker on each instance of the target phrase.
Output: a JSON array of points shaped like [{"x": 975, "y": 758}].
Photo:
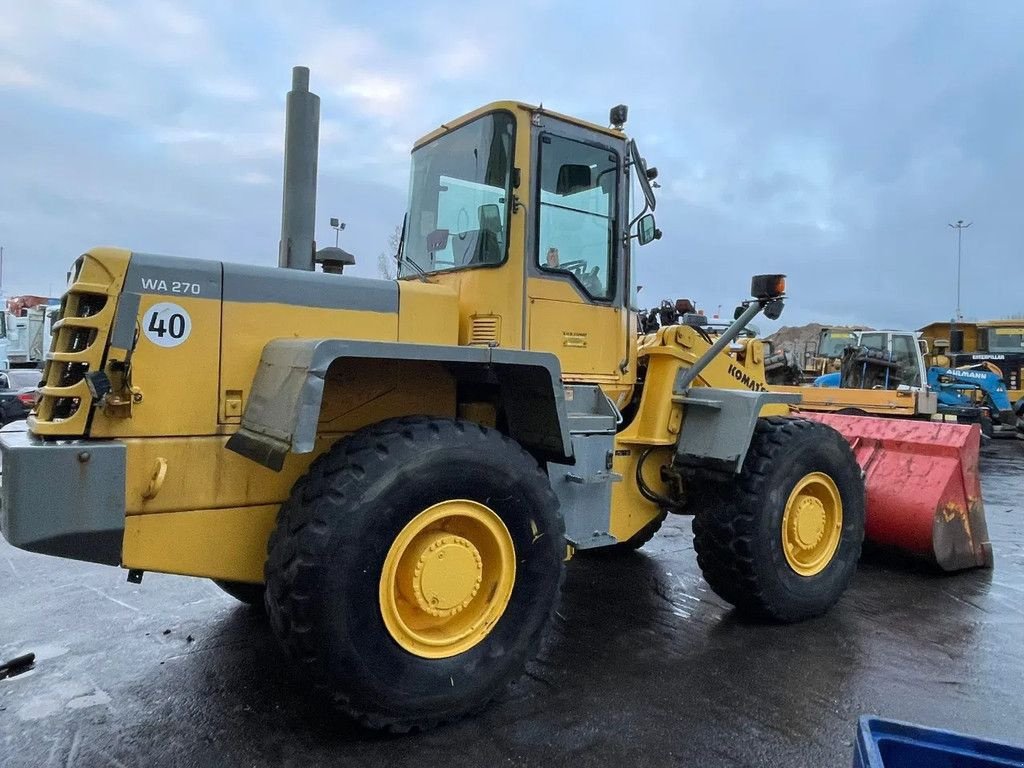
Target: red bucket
[{"x": 923, "y": 492}]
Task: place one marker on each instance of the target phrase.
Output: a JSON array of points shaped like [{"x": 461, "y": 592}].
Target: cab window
[
  {"x": 904, "y": 352},
  {"x": 577, "y": 225},
  {"x": 1006, "y": 340},
  {"x": 873, "y": 341},
  {"x": 832, "y": 343}
]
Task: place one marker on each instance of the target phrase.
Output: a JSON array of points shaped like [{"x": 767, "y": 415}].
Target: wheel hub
[
  {"x": 808, "y": 522},
  {"x": 447, "y": 579},
  {"x": 812, "y": 524},
  {"x": 447, "y": 576}
]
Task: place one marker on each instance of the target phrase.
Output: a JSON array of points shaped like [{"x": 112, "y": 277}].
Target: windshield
[
  {"x": 833, "y": 343},
  {"x": 877, "y": 341},
  {"x": 1006, "y": 340},
  {"x": 457, "y": 198}
]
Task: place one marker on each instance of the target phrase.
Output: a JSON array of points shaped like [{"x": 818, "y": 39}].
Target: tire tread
[
  {"x": 723, "y": 532},
  {"x": 302, "y": 535}
]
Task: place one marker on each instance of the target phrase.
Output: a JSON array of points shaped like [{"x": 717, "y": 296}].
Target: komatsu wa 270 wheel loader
[{"x": 400, "y": 469}]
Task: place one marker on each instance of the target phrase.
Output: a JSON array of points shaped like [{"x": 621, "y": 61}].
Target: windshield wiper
[{"x": 401, "y": 250}]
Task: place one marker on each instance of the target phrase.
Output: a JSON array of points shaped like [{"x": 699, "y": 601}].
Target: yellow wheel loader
[{"x": 407, "y": 465}]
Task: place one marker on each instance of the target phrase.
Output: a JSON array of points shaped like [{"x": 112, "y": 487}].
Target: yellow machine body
[
  {"x": 193, "y": 507},
  {"x": 876, "y": 402}
]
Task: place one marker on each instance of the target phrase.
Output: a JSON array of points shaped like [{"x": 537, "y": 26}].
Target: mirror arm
[
  {"x": 633, "y": 222},
  {"x": 639, "y": 216}
]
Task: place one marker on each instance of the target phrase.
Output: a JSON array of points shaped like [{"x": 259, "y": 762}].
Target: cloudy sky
[{"x": 831, "y": 141}]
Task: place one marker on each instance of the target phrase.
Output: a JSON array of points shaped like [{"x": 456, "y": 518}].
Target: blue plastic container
[{"x": 892, "y": 744}]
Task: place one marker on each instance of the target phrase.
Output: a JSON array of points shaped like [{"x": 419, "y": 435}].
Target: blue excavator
[{"x": 974, "y": 387}]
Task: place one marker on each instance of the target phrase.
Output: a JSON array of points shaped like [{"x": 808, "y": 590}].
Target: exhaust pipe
[{"x": 301, "y": 147}]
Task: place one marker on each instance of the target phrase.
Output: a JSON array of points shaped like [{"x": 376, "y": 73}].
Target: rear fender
[{"x": 284, "y": 405}]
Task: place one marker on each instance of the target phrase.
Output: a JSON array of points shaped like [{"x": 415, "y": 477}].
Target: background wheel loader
[{"x": 407, "y": 465}]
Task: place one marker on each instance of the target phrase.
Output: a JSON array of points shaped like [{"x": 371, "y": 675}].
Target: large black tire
[
  {"x": 243, "y": 592},
  {"x": 630, "y": 545},
  {"x": 326, "y": 556},
  {"x": 737, "y": 531},
  {"x": 852, "y": 412},
  {"x": 642, "y": 536}
]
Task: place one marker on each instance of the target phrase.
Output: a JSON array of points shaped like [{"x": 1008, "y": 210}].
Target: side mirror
[
  {"x": 640, "y": 167},
  {"x": 646, "y": 231},
  {"x": 573, "y": 179},
  {"x": 773, "y": 309}
]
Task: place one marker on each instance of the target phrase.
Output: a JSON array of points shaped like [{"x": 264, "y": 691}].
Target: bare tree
[{"x": 386, "y": 265}]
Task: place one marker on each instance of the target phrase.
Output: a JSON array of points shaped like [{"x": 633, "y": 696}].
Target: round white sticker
[{"x": 167, "y": 324}]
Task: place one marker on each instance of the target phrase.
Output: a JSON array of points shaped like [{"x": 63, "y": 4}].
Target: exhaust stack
[{"x": 301, "y": 147}]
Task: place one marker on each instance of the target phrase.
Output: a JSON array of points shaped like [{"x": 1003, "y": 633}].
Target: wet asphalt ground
[{"x": 647, "y": 668}]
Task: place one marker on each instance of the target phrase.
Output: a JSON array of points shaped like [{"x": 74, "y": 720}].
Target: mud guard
[
  {"x": 923, "y": 490},
  {"x": 719, "y": 424},
  {"x": 283, "y": 408}
]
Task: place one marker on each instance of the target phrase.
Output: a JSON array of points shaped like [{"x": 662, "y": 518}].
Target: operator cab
[
  {"x": 525, "y": 213},
  {"x": 905, "y": 349}
]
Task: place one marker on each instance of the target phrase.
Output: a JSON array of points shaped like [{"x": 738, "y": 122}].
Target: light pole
[
  {"x": 959, "y": 227},
  {"x": 337, "y": 226}
]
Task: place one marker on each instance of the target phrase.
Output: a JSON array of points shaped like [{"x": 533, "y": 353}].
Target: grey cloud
[
  {"x": 912, "y": 109},
  {"x": 832, "y": 141}
]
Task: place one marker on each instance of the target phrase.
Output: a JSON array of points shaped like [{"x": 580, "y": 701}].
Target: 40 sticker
[{"x": 167, "y": 324}]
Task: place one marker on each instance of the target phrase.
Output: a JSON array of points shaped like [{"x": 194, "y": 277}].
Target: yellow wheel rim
[
  {"x": 812, "y": 524},
  {"x": 447, "y": 579}
]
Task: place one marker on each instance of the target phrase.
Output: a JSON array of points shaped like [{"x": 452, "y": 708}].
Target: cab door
[
  {"x": 577, "y": 260},
  {"x": 905, "y": 350}
]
